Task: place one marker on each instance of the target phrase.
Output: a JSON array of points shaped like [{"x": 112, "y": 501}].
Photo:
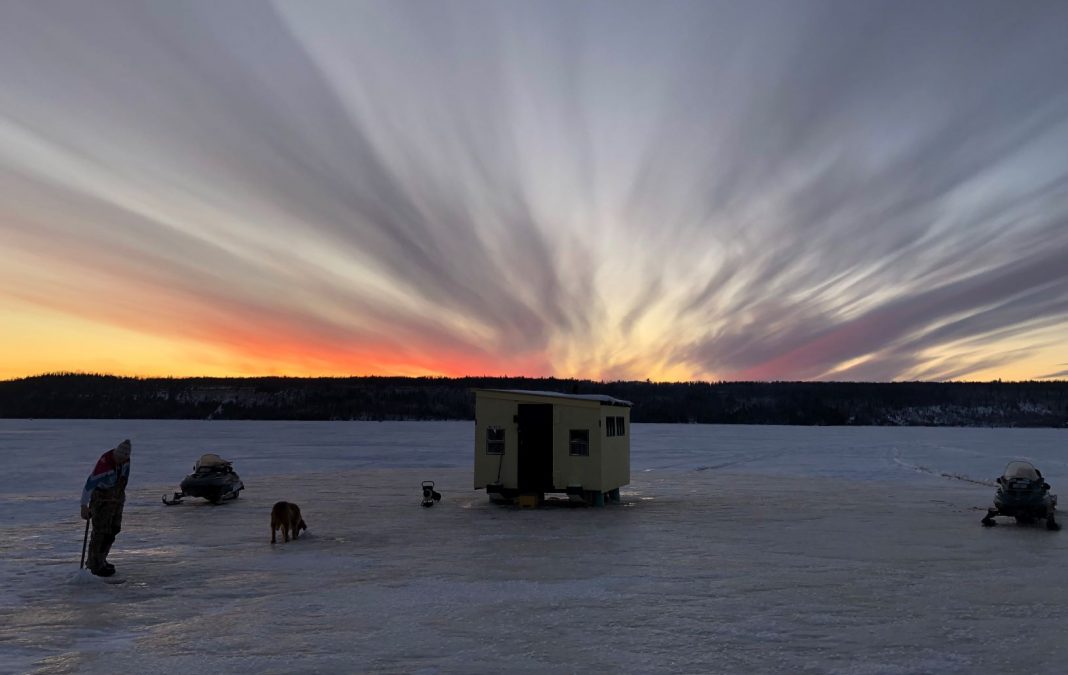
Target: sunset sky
[{"x": 793, "y": 190}]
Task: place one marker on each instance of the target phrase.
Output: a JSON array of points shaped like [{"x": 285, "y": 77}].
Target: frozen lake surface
[{"x": 736, "y": 549}]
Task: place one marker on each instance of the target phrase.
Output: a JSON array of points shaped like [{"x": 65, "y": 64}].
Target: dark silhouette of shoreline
[{"x": 89, "y": 396}]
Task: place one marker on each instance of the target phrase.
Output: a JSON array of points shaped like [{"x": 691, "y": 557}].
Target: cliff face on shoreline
[{"x": 990, "y": 404}]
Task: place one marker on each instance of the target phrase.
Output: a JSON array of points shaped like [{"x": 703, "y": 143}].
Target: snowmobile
[
  {"x": 1024, "y": 495},
  {"x": 213, "y": 478}
]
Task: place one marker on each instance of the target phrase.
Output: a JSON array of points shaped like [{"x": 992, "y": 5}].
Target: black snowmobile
[
  {"x": 213, "y": 478},
  {"x": 1024, "y": 495}
]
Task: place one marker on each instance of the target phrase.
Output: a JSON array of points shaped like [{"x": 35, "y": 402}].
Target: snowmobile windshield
[
  {"x": 211, "y": 461},
  {"x": 1021, "y": 470}
]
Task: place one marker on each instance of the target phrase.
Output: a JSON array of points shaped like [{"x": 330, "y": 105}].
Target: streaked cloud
[{"x": 770, "y": 190}]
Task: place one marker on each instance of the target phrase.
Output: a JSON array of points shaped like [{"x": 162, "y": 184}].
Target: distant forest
[{"x": 79, "y": 396}]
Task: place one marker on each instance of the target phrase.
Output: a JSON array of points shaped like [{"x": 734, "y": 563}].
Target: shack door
[{"x": 535, "y": 447}]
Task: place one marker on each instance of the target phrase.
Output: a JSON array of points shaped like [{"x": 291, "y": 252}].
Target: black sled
[
  {"x": 213, "y": 478},
  {"x": 1024, "y": 495}
]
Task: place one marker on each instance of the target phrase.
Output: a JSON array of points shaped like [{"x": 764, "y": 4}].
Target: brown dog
[{"x": 286, "y": 516}]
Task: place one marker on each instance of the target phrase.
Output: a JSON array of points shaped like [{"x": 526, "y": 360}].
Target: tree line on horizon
[{"x": 91, "y": 396}]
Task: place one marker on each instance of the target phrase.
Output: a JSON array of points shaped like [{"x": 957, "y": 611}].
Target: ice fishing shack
[{"x": 528, "y": 443}]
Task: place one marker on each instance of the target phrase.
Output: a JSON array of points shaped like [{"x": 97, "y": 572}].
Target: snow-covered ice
[{"x": 737, "y": 549}]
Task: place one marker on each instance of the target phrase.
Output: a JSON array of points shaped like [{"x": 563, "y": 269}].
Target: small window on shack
[
  {"x": 579, "y": 443},
  {"x": 619, "y": 427},
  {"x": 610, "y": 426},
  {"x": 494, "y": 441}
]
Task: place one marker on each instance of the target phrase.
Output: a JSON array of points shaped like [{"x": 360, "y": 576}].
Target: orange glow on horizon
[{"x": 39, "y": 341}]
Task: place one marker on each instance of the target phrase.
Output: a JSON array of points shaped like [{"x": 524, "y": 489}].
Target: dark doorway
[{"x": 535, "y": 447}]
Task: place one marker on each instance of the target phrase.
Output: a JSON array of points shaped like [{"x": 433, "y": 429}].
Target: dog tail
[{"x": 302, "y": 526}]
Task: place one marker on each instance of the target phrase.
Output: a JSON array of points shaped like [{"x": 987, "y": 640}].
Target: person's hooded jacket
[{"x": 112, "y": 470}]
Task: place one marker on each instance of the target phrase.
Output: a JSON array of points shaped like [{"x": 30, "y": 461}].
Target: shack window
[
  {"x": 610, "y": 426},
  {"x": 619, "y": 427},
  {"x": 579, "y": 444},
  {"x": 494, "y": 441}
]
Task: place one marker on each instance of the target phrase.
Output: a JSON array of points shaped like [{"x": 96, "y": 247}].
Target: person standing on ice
[{"x": 102, "y": 502}]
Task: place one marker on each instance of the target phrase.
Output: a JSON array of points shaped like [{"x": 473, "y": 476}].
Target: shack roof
[{"x": 597, "y": 398}]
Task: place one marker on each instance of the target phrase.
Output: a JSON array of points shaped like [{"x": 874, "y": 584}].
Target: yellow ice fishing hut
[{"x": 528, "y": 443}]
